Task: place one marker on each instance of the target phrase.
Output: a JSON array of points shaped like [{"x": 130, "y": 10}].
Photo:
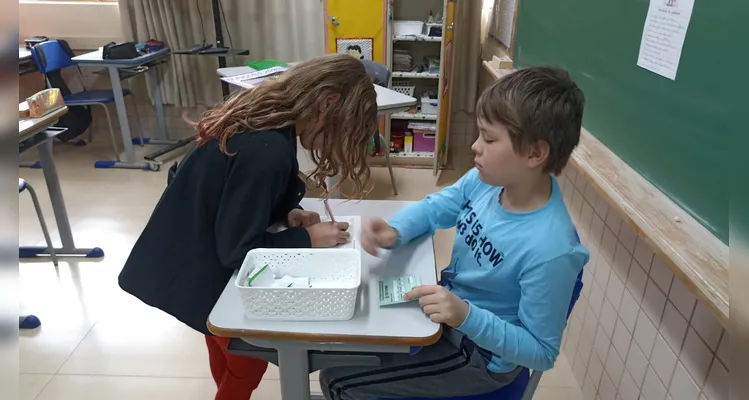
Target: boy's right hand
[
  {"x": 376, "y": 234},
  {"x": 328, "y": 234}
]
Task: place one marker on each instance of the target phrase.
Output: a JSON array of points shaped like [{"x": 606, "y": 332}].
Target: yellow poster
[
  {"x": 445, "y": 81},
  {"x": 356, "y": 28}
]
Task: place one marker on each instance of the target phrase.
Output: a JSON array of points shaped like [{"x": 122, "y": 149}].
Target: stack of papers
[{"x": 252, "y": 79}]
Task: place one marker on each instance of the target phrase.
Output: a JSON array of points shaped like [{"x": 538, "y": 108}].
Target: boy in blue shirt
[{"x": 504, "y": 297}]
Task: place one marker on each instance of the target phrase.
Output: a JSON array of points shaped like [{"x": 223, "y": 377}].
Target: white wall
[{"x": 85, "y": 25}]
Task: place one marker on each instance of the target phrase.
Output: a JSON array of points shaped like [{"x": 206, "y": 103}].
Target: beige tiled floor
[{"x": 97, "y": 342}]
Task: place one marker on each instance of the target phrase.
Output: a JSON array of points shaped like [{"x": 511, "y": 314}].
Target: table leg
[
  {"x": 127, "y": 139},
  {"x": 163, "y": 136},
  {"x": 293, "y": 370},
  {"x": 155, "y": 84},
  {"x": 331, "y": 181},
  {"x": 58, "y": 207}
]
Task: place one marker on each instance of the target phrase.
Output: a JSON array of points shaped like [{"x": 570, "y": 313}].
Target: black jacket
[{"x": 215, "y": 210}]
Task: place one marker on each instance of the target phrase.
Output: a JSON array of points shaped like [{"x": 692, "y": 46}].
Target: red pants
[{"x": 236, "y": 376}]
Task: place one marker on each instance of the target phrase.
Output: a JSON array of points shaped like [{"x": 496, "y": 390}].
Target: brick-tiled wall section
[{"x": 637, "y": 332}]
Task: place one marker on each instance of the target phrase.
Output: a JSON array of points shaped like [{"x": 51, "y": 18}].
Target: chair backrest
[
  {"x": 379, "y": 73},
  {"x": 52, "y": 56}
]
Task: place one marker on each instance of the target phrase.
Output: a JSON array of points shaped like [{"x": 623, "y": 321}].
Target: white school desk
[
  {"x": 94, "y": 59},
  {"x": 388, "y": 102},
  {"x": 373, "y": 329},
  {"x": 39, "y": 132},
  {"x": 25, "y": 63}
]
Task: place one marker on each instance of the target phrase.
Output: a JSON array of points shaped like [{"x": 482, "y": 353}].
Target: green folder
[{"x": 265, "y": 64}]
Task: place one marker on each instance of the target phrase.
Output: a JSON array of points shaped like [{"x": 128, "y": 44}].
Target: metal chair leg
[
  {"x": 533, "y": 382},
  {"x": 47, "y": 238},
  {"x": 91, "y": 133},
  {"x": 111, "y": 132}
]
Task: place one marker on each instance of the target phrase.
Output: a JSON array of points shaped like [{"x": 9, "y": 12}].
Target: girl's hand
[
  {"x": 302, "y": 218},
  {"x": 328, "y": 234}
]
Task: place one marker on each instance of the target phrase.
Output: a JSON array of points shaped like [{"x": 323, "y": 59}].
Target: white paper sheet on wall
[
  {"x": 663, "y": 36},
  {"x": 503, "y": 21}
]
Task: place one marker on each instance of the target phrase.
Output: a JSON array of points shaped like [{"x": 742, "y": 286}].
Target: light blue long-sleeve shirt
[{"x": 516, "y": 271}]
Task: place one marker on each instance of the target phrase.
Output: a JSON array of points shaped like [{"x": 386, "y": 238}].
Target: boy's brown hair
[{"x": 537, "y": 104}]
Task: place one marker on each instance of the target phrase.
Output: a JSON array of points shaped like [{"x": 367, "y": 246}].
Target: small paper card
[{"x": 392, "y": 290}]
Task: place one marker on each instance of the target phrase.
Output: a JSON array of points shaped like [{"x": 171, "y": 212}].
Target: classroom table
[
  {"x": 388, "y": 102},
  {"x": 25, "y": 63},
  {"x": 94, "y": 59},
  {"x": 40, "y": 133},
  {"x": 373, "y": 329}
]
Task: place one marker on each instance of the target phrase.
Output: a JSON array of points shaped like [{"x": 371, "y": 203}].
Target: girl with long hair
[{"x": 243, "y": 177}]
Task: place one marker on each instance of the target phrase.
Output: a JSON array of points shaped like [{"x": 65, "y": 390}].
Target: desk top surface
[
  {"x": 31, "y": 126},
  {"x": 95, "y": 58},
  {"x": 23, "y": 53},
  {"x": 403, "y": 324},
  {"x": 387, "y": 99}
]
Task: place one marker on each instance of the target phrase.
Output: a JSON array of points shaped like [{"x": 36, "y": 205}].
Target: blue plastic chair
[
  {"x": 53, "y": 56},
  {"x": 526, "y": 383}
]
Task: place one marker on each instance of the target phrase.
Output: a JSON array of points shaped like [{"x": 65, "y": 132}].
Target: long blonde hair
[{"x": 296, "y": 95}]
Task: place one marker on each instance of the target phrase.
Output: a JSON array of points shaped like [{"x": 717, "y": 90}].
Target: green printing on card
[{"x": 392, "y": 290}]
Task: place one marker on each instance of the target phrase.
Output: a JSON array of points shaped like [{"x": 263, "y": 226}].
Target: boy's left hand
[
  {"x": 302, "y": 218},
  {"x": 441, "y": 305}
]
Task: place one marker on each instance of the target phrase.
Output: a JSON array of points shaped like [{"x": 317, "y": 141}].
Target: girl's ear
[{"x": 329, "y": 101}]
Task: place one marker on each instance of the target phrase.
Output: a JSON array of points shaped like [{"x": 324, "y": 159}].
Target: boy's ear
[{"x": 538, "y": 153}]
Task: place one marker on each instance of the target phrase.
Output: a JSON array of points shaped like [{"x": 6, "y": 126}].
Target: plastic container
[
  {"x": 335, "y": 276},
  {"x": 404, "y": 28},
  {"x": 429, "y": 105},
  {"x": 404, "y": 88},
  {"x": 423, "y": 141}
]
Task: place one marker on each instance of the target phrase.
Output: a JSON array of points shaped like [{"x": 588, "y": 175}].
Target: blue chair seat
[{"x": 92, "y": 96}]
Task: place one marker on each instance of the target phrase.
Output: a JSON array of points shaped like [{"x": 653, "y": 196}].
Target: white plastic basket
[
  {"x": 405, "y": 28},
  {"x": 404, "y": 88},
  {"x": 335, "y": 275}
]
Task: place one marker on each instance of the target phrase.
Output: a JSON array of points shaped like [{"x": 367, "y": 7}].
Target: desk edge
[{"x": 326, "y": 338}]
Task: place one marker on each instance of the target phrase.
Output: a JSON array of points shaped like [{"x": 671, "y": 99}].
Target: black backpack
[{"x": 78, "y": 119}]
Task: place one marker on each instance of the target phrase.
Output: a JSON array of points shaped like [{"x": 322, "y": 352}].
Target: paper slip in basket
[
  {"x": 392, "y": 290},
  {"x": 252, "y": 79}
]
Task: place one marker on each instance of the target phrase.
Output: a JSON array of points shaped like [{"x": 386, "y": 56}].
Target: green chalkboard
[{"x": 676, "y": 133}]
